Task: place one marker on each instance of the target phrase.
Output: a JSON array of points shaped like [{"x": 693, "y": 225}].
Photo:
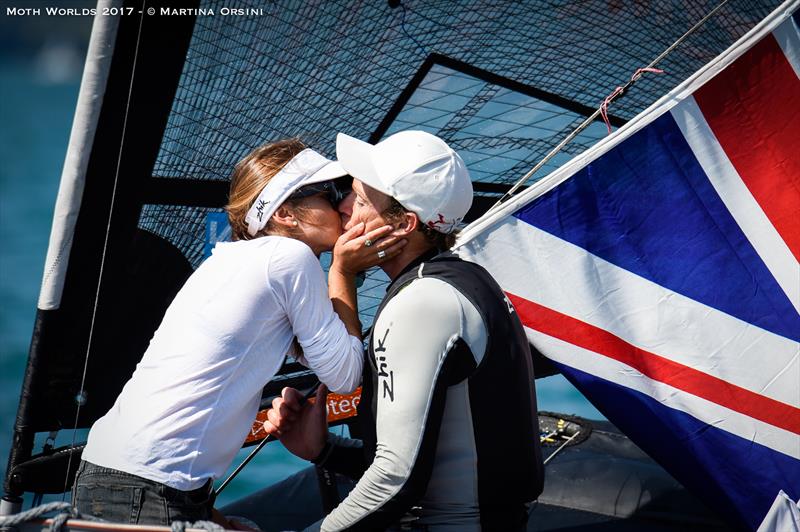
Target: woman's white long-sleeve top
[{"x": 191, "y": 401}]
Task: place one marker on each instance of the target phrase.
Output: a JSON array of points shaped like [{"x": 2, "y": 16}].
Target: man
[{"x": 448, "y": 408}]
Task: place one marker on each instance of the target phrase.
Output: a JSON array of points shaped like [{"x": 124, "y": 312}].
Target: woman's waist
[
  {"x": 92, "y": 473},
  {"x": 179, "y": 451}
]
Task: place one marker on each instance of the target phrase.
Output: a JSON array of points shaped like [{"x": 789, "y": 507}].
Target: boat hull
[{"x": 602, "y": 481}]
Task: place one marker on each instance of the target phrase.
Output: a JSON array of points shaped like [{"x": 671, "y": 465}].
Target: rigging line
[
  {"x": 560, "y": 447},
  {"x": 80, "y": 396},
  {"x": 405, "y": 30},
  {"x": 599, "y": 110}
]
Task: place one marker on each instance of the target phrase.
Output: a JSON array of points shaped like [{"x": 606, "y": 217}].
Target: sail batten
[{"x": 87, "y": 113}]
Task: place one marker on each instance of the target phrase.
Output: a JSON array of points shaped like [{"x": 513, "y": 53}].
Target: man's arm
[
  {"x": 342, "y": 455},
  {"x": 302, "y": 427},
  {"x": 413, "y": 339}
]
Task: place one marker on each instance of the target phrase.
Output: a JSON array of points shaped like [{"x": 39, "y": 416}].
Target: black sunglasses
[{"x": 335, "y": 190}]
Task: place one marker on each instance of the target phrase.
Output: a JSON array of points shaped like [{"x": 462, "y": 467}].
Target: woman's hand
[{"x": 355, "y": 252}]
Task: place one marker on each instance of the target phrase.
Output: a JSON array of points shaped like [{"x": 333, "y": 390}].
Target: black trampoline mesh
[{"x": 311, "y": 69}]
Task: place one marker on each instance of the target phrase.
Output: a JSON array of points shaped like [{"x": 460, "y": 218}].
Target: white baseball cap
[{"x": 417, "y": 169}]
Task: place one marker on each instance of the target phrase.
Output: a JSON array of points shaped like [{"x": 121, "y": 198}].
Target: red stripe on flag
[
  {"x": 753, "y": 108},
  {"x": 656, "y": 367}
]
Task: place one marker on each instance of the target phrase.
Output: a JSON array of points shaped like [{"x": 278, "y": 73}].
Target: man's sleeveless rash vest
[{"x": 496, "y": 431}]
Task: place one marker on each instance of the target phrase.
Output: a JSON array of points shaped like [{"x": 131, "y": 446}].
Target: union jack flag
[{"x": 659, "y": 271}]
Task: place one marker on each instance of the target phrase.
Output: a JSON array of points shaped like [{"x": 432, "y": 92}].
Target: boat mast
[
  {"x": 133, "y": 67},
  {"x": 68, "y": 203}
]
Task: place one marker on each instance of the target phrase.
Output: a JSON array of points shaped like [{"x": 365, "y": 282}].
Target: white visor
[{"x": 305, "y": 168}]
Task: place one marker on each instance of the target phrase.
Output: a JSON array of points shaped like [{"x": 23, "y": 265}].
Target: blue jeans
[{"x": 120, "y": 497}]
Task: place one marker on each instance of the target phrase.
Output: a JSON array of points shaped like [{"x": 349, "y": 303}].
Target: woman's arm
[
  {"x": 327, "y": 330},
  {"x": 342, "y": 291},
  {"x": 298, "y": 282},
  {"x": 350, "y": 256}
]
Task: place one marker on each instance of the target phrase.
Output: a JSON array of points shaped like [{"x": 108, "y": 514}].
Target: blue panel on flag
[
  {"x": 648, "y": 207},
  {"x": 707, "y": 460}
]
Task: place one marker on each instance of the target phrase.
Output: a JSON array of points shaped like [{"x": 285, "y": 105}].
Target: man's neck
[{"x": 410, "y": 253}]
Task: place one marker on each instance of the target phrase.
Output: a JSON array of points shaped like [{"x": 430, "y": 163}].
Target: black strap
[{"x": 328, "y": 491}]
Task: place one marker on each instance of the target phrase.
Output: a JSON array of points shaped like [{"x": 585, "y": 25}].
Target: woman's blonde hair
[{"x": 250, "y": 177}]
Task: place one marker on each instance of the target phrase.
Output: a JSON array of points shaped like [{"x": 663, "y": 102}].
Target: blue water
[{"x": 35, "y": 121}]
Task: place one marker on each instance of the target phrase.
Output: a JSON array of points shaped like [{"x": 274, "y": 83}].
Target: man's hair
[
  {"x": 249, "y": 178},
  {"x": 440, "y": 241}
]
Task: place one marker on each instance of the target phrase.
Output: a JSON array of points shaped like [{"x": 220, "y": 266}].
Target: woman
[{"x": 183, "y": 415}]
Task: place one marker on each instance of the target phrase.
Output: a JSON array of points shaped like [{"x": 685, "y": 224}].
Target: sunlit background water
[{"x": 41, "y": 59}]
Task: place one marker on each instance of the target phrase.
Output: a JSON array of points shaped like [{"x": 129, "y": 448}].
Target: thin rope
[
  {"x": 403, "y": 27},
  {"x": 560, "y": 448},
  {"x": 34, "y": 513},
  {"x": 105, "y": 248},
  {"x": 182, "y": 526},
  {"x": 66, "y": 512},
  {"x": 619, "y": 92}
]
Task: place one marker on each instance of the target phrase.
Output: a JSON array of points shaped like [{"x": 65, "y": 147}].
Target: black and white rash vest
[{"x": 448, "y": 408}]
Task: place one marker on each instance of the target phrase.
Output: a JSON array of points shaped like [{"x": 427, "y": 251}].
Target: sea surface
[{"x": 36, "y": 109}]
